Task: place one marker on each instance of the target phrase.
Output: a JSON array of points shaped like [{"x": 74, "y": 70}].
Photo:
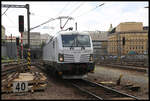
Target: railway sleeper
[{"x": 36, "y": 81}]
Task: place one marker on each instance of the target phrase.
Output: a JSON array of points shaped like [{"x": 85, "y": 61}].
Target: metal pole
[
  {"x": 21, "y": 45},
  {"x": 28, "y": 20},
  {"x": 11, "y": 47},
  {"x": 18, "y": 54}
]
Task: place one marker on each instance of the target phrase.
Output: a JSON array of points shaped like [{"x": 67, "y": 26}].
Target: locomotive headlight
[
  {"x": 91, "y": 57},
  {"x": 61, "y": 57}
]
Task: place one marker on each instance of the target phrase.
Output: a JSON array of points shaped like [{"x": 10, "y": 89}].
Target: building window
[{"x": 142, "y": 47}]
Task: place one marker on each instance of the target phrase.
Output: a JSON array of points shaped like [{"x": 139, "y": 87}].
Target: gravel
[
  {"x": 129, "y": 76},
  {"x": 57, "y": 89}
]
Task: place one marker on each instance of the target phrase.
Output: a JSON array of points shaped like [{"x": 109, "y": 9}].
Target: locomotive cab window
[{"x": 76, "y": 41}]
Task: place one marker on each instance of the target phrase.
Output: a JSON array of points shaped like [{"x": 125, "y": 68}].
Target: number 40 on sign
[{"x": 20, "y": 86}]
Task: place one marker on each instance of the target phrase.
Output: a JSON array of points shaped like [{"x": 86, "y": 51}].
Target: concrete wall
[
  {"x": 3, "y": 50},
  {"x": 11, "y": 49}
]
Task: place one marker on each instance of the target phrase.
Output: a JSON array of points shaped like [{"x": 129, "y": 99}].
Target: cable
[
  {"x": 51, "y": 19},
  {"x": 10, "y": 20},
  {"x": 91, "y": 10},
  {"x": 54, "y": 18},
  {"x": 63, "y": 9},
  {"x": 76, "y": 8},
  {"x": 72, "y": 13},
  {"x": 5, "y": 11},
  {"x": 42, "y": 23}
]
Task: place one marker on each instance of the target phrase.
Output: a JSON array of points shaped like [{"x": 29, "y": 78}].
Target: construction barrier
[{"x": 29, "y": 60}]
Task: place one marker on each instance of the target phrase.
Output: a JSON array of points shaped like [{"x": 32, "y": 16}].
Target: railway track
[
  {"x": 99, "y": 91},
  {"x": 12, "y": 67},
  {"x": 14, "y": 62},
  {"x": 140, "y": 69},
  {"x": 96, "y": 91},
  {"x": 137, "y": 64}
]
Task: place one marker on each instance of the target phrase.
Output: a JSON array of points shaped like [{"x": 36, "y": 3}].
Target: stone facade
[
  {"x": 135, "y": 39},
  {"x": 99, "y": 39},
  {"x": 98, "y": 35},
  {"x": 3, "y": 32},
  {"x": 129, "y": 26}
]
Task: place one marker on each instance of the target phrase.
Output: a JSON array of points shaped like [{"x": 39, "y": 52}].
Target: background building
[
  {"x": 128, "y": 38},
  {"x": 35, "y": 39},
  {"x": 99, "y": 39},
  {"x": 3, "y": 32},
  {"x": 3, "y": 47},
  {"x": 10, "y": 39},
  {"x": 98, "y": 35},
  {"x": 44, "y": 37}
]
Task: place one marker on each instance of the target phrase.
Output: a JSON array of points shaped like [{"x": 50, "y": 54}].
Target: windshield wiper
[
  {"x": 79, "y": 44},
  {"x": 72, "y": 45}
]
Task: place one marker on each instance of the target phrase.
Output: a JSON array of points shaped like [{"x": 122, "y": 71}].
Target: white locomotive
[{"x": 70, "y": 54}]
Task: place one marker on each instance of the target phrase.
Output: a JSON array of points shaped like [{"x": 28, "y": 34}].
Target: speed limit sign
[{"x": 20, "y": 86}]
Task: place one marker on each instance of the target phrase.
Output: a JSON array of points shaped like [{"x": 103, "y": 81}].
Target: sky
[{"x": 88, "y": 15}]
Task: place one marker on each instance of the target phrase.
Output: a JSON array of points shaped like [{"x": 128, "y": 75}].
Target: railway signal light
[
  {"x": 21, "y": 23},
  {"x": 17, "y": 41}
]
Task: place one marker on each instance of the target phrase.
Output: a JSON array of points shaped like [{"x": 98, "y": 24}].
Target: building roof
[{"x": 112, "y": 31}]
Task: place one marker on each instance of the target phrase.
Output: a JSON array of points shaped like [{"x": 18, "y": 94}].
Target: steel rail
[
  {"x": 92, "y": 94},
  {"x": 15, "y": 68},
  {"x": 106, "y": 89},
  {"x": 111, "y": 89},
  {"x": 13, "y": 62}
]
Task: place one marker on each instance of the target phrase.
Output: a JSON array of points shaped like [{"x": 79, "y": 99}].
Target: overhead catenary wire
[
  {"x": 90, "y": 10},
  {"x": 62, "y": 9},
  {"x": 51, "y": 19},
  {"x": 10, "y": 19},
  {"x": 73, "y": 11},
  {"x": 42, "y": 23},
  {"x": 55, "y": 18},
  {"x": 5, "y": 11},
  {"x": 76, "y": 9}
]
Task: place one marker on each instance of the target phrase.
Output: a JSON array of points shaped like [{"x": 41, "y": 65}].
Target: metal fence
[{"x": 9, "y": 49}]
